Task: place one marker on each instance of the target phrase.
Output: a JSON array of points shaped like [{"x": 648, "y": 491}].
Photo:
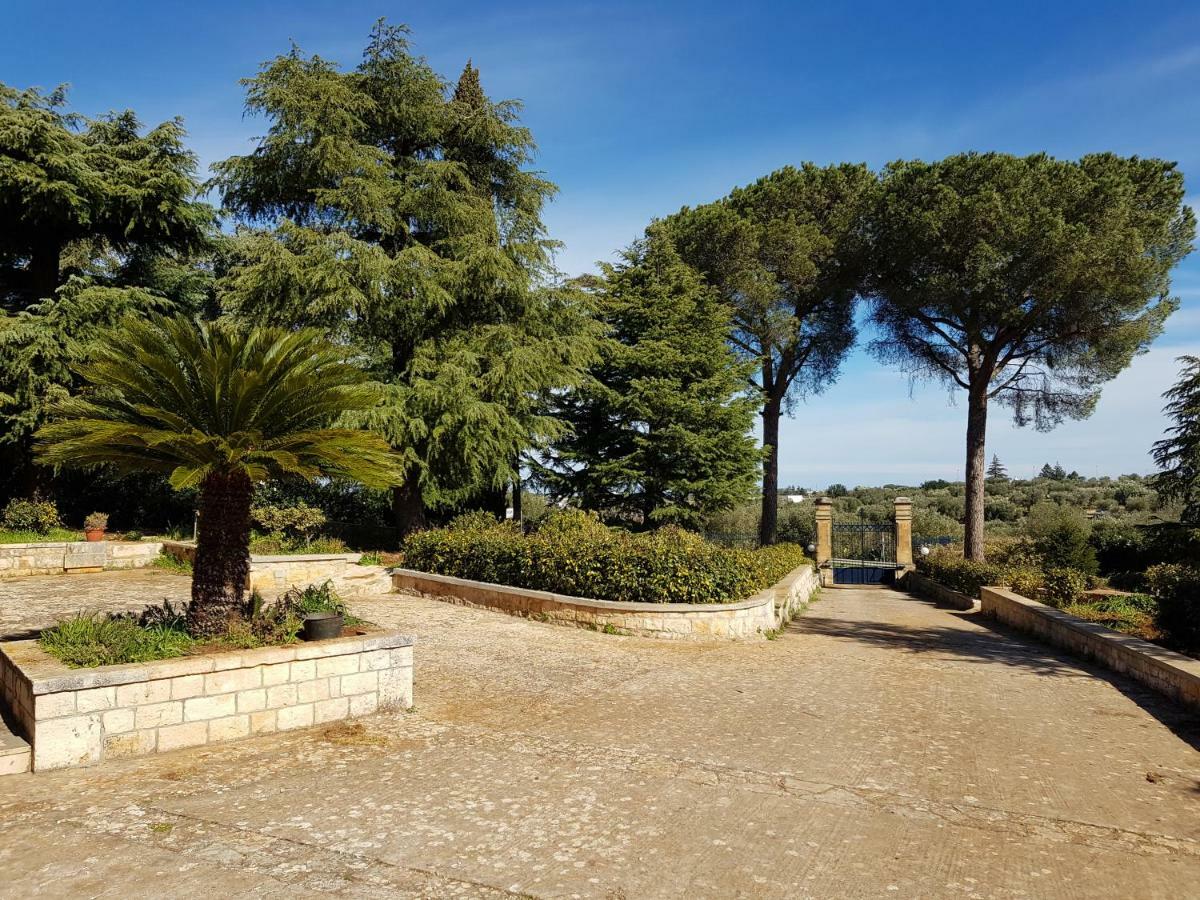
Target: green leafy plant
[
  {"x": 298, "y": 521},
  {"x": 93, "y": 640},
  {"x": 1062, "y": 587},
  {"x": 573, "y": 553},
  {"x": 36, "y": 516},
  {"x": 1060, "y": 537},
  {"x": 96, "y": 521},
  {"x": 218, "y": 407},
  {"x": 1176, "y": 587},
  {"x": 168, "y": 562}
]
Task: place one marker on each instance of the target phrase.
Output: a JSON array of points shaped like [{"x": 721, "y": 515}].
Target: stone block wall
[
  {"x": 78, "y": 717},
  {"x": 57, "y": 557},
  {"x": 1158, "y": 668},
  {"x": 751, "y": 618},
  {"x": 273, "y": 575}
]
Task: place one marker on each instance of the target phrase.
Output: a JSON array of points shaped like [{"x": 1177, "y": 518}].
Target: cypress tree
[{"x": 660, "y": 430}]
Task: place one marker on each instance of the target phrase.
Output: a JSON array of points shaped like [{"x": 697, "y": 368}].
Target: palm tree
[{"x": 219, "y": 408}]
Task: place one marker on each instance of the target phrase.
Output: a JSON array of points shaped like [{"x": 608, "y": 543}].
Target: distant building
[{"x": 795, "y": 498}]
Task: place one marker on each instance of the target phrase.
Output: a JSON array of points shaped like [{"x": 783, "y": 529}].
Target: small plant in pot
[{"x": 95, "y": 525}]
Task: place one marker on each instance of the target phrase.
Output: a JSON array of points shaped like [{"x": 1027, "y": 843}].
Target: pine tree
[
  {"x": 996, "y": 469},
  {"x": 661, "y": 429},
  {"x": 1023, "y": 281},
  {"x": 786, "y": 254},
  {"x": 1178, "y": 454},
  {"x": 408, "y": 222}
]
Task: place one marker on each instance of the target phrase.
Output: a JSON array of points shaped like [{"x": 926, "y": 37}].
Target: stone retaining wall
[
  {"x": 79, "y": 717},
  {"x": 1162, "y": 670},
  {"x": 273, "y": 575},
  {"x": 929, "y": 589},
  {"x": 750, "y": 618},
  {"x": 57, "y": 557}
]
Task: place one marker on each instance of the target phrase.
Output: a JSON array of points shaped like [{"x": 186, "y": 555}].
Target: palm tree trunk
[{"x": 222, "y": 566}]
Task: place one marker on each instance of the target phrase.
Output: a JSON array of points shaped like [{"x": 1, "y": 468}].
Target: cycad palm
[{"x": 219, "y": 408}]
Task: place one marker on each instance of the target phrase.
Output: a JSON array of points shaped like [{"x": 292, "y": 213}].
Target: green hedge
[
  {"x": 1177, "y": 589},
  {"x": 573, "y": 553}
]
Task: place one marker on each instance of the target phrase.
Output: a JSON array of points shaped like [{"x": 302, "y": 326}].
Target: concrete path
[{"x": 880, "y": 748}]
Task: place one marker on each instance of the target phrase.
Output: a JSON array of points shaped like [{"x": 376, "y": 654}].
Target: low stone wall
[
  {"x": 79, "y": 717},
  {"x": 749, "y": 618},
  {"x": 1162, "y": 670},
  {"x": 273, "y": 575},
  {"x": 916, "y": 583},
  {"x": 57, "y": 557}
]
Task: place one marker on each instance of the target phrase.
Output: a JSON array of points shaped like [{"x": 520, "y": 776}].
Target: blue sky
[{"x": 640, "y": 108}]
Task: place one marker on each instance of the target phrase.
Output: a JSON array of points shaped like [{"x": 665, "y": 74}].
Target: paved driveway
[{"x": 880, "y": 748}]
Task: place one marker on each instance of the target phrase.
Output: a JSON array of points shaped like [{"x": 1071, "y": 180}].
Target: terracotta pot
[{"x": 94, "y": 534}]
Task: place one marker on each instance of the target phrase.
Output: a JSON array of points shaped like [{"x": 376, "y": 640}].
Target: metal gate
[{"x": 864, "y": 554}]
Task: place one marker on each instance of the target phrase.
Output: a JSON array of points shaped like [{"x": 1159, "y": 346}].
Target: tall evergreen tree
[
  {"x": 405, "y": 218},
  {"x": 98, "y": 219},
  {"x": 996, "y": 469},
  {"x": 661, "y": 429},
  {"x": 1028, "y": 281},
  {"x": 1178, "y": 454},
  {"x": 786, "y": 254}
]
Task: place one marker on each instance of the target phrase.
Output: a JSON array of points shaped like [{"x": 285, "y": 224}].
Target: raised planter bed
[
  {"x": 750, "y": 618},
  {"x": 78, "y": 717}
]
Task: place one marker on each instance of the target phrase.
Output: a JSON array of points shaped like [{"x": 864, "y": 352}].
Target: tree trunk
[
  {"x": 408, "y": 505},
  {"x": 44, "y": 266},
  {"x": 976, "y": 470},
  {"x": 769, "y": 522},
  {"x": 516, "y": 494},
  {"x": 222, "y": 566}
]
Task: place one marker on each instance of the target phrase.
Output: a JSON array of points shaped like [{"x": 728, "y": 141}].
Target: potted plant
[{"x": 94, "y": 526}]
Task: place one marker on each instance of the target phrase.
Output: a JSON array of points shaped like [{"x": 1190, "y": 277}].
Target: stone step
[
  {"x": 14, "y": 752},
  {"x": 365, "y": 580}
]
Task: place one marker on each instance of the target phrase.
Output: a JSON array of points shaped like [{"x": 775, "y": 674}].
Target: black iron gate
[{"x": 864, "y": 554}]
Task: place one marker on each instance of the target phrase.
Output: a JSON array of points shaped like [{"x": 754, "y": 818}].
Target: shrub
[
  {"x": 948, "y": 568},
  {"x": 1062, "y": 587},
  {"x": 91, "y": 640},
  {"x": 1119, "y": 545},
  {"x": 37, "y": 516},
  {"x": 96, "y": 521},
  {"x": 1176, "y": 587},
  {"x": 571, "y": 552},
  {"x": 1027, "y": 583},
  {"x": 1060, "y": 537},
  {"x": 298, "y": 521}
]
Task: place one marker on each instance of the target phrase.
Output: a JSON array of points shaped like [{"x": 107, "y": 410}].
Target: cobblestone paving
[
  {"x": 880, "y": 748},
  {"x": 36, "y": 601}
]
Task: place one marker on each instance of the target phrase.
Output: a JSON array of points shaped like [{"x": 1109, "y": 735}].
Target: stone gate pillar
[
  {"x": 904, "y": 560},
  {"x": 824, "y": 538}
]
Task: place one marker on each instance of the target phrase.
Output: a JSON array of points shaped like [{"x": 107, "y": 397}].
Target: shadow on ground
[{"x": 990, "y": 641}]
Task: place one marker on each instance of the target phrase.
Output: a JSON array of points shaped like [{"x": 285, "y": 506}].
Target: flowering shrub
[
  {"x": 38, "y": 516},
  {"x": 571, "y": 552}
]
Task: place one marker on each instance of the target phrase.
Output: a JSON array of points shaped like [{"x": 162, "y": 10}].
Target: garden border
[
  {"x": 924, "y": 586},
  {"x": 1156, "y": 667},
  {"x": 753, "y": 617},
  {"x": 71, "y": 557},
  {"x": 78, "y": 717}
]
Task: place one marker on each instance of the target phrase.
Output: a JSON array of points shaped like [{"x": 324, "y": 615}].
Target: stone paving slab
[
  {"x": 880, "y": 748},
  {"x": 38, "y": 601}
]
